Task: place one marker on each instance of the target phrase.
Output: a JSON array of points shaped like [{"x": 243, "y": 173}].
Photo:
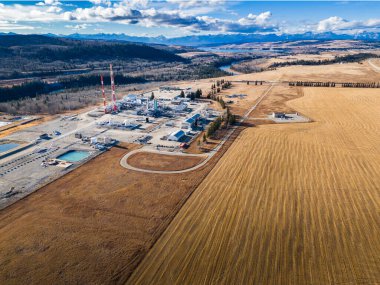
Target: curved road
[{"x": 124, "y": 161}]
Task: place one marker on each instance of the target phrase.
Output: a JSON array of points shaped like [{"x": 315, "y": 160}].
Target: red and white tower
[
  {"x": 114, "y": 107},
  {"x": 104, "y": 94}
]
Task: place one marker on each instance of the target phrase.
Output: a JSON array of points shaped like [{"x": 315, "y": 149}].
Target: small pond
[
  {"x": 7, "y": 146},
  {"x": 74, "y": 155}
]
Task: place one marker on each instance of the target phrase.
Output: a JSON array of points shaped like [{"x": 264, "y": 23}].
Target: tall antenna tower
[
  {"x": 104, "y": 94},
  {"x": 114, "y": 107}
]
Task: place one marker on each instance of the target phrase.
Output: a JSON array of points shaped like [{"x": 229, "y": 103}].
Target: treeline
[
  {"x": 221, "y": 122},
  {"x": 29, "y": 89},
  {"x": 347, "y": 58},
  {"x": 334, "y": 84},
  {"x": 94, "y": 79},
  {"x": 256, "y": 82},
  {"x": 208, "y": 71},
  {"x": 18, "y": 75},
  {"x": 312, "y": 84},
  {"x": 361, "y": 85},
  {"x": 35, "y": 88},
  {"x": 84, "y": 52},
  {"x": 192, "y": 95},
  {"x": 216, "y": 88},
  {"x": 48, "y": 49}
]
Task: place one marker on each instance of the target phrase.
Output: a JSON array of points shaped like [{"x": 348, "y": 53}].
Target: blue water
[
  {"x": 7, "y": 146},
  {"x": 74, "y": 155},
  {"x": 227, "y": 69},
  {"x": 232, "y": 50}
]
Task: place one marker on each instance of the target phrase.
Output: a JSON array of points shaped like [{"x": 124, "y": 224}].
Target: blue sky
[{"x": 174, "y": 18}]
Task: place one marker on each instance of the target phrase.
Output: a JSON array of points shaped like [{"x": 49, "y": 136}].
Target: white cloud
[
  {"x": 78, "y": 27},
  {"x": 260, "y": 19},
  {"x": 196, "y": 3},
  {"x": 136, "y": 3},
  {"x": 339, "y": 24},
  {"x": 135, "y": 12},
  {"x": 101, "y": 2},
  {"x": 7, "y": 26},
  {"x": 28, "y": 13},
  {"x": 49, "y": 3}
]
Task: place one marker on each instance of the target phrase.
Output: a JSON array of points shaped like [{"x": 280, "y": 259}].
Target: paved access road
[{"x": 124, "y": 161}]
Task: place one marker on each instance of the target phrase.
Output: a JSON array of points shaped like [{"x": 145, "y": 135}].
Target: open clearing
[
  {"x": 287, "y": 204},
  {"x": 156, "y": 161},
  {"x": 348, "y": 72}
]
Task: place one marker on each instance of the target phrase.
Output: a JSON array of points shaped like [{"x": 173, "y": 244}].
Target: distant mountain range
[{"x": 209, "y": 40}]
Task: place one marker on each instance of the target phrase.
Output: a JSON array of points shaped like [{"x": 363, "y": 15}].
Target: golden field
[{"x": 286, "y": 204}]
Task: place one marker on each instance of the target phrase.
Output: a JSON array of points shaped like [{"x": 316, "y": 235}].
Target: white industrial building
[
  {"x": 191, "y": 122},
  {"x": 130, "y": 98},
  {"x": 176, "y": 136},
  {"x": 180, "y": 108},
  {"x": 276, "y": 115}
]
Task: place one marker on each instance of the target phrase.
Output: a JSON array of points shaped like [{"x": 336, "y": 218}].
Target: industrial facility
[{"x": 164, "y": 118}]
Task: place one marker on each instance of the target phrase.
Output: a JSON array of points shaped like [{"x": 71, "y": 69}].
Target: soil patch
[{"x": 156, "y": 161}]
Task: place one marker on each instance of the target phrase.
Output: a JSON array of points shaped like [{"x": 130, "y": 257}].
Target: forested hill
[{"x": 45, "y": 48}]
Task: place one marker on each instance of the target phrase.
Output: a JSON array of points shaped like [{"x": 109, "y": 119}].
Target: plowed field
[{"x": 287, "y": 204}]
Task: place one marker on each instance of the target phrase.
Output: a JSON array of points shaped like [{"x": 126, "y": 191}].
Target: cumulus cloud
[
  {"x": 135, "y": 12},
  {"x": 339, "y": 24},
  {"x": 101, "y": 2},
  {"x": 136, "y": 3},
  {"x": 49, "y": 3},
  {"x": 196, "y": 3},
  {"x": 7, "y": 26},
  {"x": 78, "y": 27},
  {"x": 120, "y": 14},
  {"x": 206, "y": 23},
  {"x": 26, "y": 13}
]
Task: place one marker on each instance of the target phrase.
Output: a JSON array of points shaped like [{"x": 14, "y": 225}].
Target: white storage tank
[{"x": 107, "y": 140}]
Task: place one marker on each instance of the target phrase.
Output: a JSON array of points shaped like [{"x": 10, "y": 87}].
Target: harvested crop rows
[{"x": 287, "y": 204}]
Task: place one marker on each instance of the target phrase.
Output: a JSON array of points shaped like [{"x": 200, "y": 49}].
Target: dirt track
[{"x": 287, "y": 204}]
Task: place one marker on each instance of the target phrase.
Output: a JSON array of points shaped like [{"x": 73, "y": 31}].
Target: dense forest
[
  {"x": 35, "y": 88},
  {"x": 338, "y": 59},
  {"x": 52, "y": 49},
  {"x": 89, "y": 52}
]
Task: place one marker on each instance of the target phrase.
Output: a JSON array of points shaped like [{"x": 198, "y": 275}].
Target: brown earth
[
  {"x": 96, "y": 224},
  {"x": 12, "y": 128},
  {"x": 348, "y": 72},
  {"x": 276, "y": 101},
  {"x": 93, "y": 225},
  {"x": 155, "y": 161},
  {"x": 287, "y": 204}
]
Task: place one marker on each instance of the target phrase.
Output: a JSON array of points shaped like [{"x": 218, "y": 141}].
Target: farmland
[
  {"x": 287, "y": 204},
  {"x": 154, "y": 161},
  {"x": 277, "y": 204},
  {"x": 66, "y": 234}
]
